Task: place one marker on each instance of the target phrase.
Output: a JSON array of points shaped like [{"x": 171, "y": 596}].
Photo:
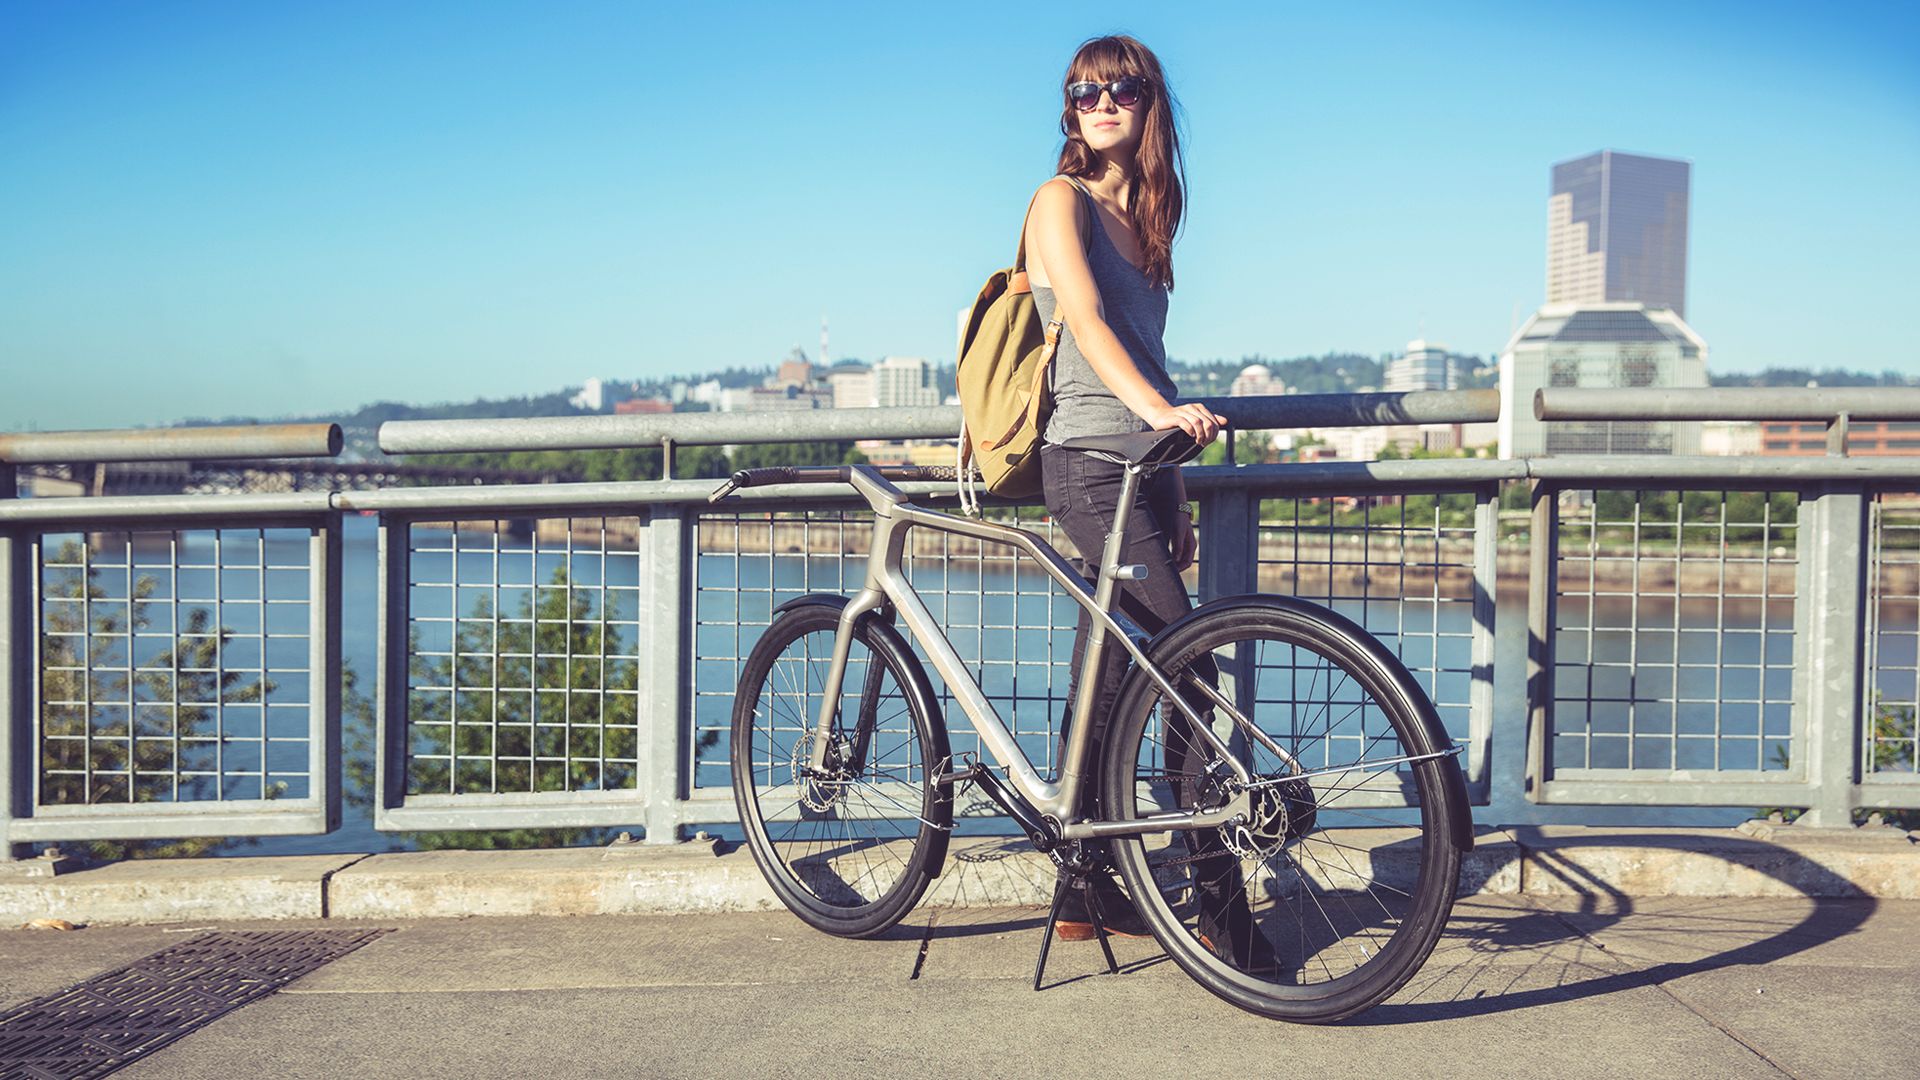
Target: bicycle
[{"x": 1326, "y": 805}]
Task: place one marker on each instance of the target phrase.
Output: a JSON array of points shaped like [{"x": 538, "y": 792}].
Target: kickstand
[{"x": 1091, "y": 901}]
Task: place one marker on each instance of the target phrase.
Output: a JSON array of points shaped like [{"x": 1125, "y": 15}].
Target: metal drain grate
[{"x": 94, "y": 1027}]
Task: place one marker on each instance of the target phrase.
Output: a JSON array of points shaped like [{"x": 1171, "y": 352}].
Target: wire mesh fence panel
[
  {"x": 524, "y": 646},
  {"x": 1011, "y": 626},
  {"x": 175, "y": 666},
  {"x": 1401, "y": 566},
  {"x": 1674, "y": 630},
  {"x": 1890, "y": 745},
  {"x": 744, "y": 567}
]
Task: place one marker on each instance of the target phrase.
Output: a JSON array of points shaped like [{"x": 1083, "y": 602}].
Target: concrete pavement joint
[{"x": 325, "y": 913}]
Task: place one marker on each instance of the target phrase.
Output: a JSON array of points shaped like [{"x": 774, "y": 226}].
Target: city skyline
[{"x": 230, "y": 210}]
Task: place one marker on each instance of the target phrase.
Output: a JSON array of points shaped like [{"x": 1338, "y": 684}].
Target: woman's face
[{"x": 1110, "y": 127}]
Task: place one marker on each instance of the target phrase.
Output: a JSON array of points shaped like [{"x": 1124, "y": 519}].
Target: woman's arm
[{"x": 1056, "y": 236}]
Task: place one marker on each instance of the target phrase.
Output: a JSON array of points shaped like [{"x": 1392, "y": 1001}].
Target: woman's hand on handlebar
[{"x": 1195, "y": 419}]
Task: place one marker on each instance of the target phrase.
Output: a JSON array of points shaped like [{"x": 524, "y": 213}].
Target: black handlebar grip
[{"x": 767, "y": 474}]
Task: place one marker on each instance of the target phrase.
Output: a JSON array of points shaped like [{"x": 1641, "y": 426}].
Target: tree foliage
[
  {"x": 115, "y": 710},
  {"x": 541, "y": 698}
]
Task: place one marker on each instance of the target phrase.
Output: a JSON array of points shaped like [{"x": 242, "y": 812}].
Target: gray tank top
[{"x": 1136, "y": 311}]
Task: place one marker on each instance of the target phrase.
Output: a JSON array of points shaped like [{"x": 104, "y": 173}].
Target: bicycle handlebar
[{"x": 828, "y": 474}]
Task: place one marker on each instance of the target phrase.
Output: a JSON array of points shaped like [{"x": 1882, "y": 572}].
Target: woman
[{"x": 1120, "y": 188}]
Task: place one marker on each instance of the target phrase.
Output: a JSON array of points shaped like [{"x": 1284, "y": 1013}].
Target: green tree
[
  {"x": 110, "y": 712},
  {"x": 1891, "y": 748},
  {"x": 545, "y": 700},
  {"x": 762, "y": 455}
]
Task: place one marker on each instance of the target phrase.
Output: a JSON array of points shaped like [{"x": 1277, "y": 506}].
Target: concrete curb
[
  {"x": 176, "y": 890},
  {"x": 695, "y": 878}
]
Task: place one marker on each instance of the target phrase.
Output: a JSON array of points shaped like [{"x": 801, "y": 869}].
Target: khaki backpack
[{"x": 1002, "y": 377}]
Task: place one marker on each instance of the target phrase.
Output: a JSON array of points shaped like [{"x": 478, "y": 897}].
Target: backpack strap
[{"x": 1017, "y": 281}]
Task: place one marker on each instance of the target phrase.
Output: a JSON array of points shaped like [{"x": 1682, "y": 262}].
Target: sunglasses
[{"x": 1126, "y": 93}]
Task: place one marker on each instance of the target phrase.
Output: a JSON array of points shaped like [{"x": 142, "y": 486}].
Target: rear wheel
[
  {"x": 1333, "y": 892},
  {"x": 849, "y": 848}
]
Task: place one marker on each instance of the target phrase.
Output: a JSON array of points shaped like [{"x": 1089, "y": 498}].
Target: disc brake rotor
[
  {"x": 819, "y": 790},
  {"x": 1281, "y": 813}
]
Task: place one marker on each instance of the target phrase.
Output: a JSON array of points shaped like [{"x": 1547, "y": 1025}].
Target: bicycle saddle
[{"x": 1169, "y": 447}]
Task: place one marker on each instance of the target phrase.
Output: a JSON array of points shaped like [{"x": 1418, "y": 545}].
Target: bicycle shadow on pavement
[{"x": 1585, "y": 938}]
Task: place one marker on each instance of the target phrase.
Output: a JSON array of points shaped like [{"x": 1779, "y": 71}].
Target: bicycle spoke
[
  {"x": 1331, "y": 853},
  {"x": 844, "y": 835}
]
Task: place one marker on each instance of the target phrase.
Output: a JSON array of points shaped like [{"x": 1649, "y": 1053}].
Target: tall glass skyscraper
[{"x": 1617, "y": 231}]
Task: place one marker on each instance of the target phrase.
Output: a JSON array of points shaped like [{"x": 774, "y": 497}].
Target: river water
[{"x": 1508, "y": 805}]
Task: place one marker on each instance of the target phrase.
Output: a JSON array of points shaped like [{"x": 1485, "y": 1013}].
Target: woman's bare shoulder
[{"x": 1056, "y": 197}]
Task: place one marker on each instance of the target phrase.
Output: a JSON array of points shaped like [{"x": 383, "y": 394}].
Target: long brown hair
[{"x": 1157, "y": 190}]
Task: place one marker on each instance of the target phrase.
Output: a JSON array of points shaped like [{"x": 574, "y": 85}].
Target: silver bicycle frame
[{"x": 886, "y": 583}]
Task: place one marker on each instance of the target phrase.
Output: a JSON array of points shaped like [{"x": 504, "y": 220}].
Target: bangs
[{"x": 1103, "y": 61}]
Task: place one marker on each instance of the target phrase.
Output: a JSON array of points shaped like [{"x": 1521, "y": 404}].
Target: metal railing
[{"x": 1701, "y": 631}]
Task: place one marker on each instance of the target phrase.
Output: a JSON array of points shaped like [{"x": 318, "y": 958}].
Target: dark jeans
[{"x": 1083, "y": 493}]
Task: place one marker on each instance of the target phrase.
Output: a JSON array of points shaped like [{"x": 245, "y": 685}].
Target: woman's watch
[{"x": 1185, "y": 508}]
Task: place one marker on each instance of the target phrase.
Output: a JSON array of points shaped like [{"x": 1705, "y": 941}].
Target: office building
[
  {"x": 787, "y": 398},
  {"x": 1599, "y": 345},
  {"x": 852, "y": 386},
  {"x": 1730, "y": 438},
  {"x": 592, "y": 396},
  {"x": 1617, "y": 231},
  {"x": 1255, "y": 380},
  {"x": 795, "y": 370},
  {"x": 1426, "y": 366},
  {"x": 904, "y": 381},
  {"x": 1865, "y": 438}
]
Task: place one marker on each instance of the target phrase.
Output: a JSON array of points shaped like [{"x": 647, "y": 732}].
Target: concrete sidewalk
[{"x": 1521, "y": 986}]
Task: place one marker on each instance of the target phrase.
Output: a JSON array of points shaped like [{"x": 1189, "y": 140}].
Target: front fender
[{"x": 828, "y": 599}]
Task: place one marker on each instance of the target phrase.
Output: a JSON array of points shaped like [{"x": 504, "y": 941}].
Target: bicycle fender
[
  {"x": 827, "y": 599},
  {"x": 1450, "y": 774}
]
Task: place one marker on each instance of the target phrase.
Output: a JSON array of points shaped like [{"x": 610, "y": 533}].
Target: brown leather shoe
[{"x": 1121, "y": 918}]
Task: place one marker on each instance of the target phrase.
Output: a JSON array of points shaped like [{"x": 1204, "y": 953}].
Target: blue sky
[{"x": 277, "y": 209}]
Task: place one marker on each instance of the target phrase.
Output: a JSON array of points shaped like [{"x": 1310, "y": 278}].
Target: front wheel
[
  {"x": 849, "y": 848},
  {"x": 1333, "y": 891}
]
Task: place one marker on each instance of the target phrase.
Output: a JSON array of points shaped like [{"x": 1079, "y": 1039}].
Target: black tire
[
  {"x": 1349, "y": 898},
  {"x": 852, "y": 852}
]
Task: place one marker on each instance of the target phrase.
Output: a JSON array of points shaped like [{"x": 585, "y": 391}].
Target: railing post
[
  {"x": 390, "y": 717},
  {"x": 1486, "y": 576},
  {"x": 1229, "y": 543},
  {"x": 1230, "y": 566},
  {"x": 665, "y": 672},
  {"x": 1542, "y": 606},
  {"x": 324, "y": 553},
  {"x": 16, "y": 654},
  {"x": 1836, "y": 617}
]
